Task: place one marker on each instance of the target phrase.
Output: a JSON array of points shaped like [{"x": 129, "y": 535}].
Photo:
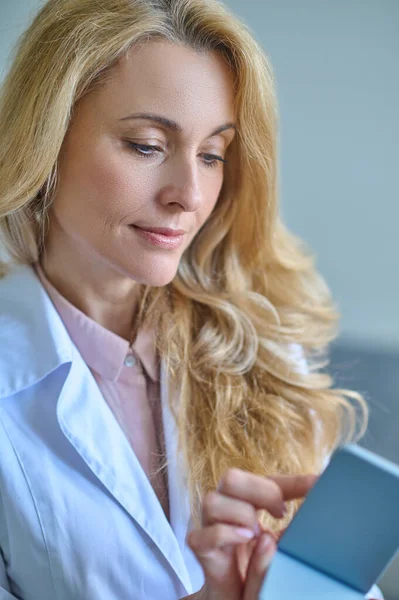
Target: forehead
[{"x": 196, "y": 90}]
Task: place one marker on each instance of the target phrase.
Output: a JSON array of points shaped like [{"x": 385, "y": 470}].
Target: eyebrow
[{"x": 173, "y": 126}]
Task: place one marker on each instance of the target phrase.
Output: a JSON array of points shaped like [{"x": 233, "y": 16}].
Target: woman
[{"x": 158, "y": 416}]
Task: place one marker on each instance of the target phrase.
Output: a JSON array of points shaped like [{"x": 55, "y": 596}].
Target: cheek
[
  {"x": 210, "y": 194},
  {"x": 115, "y": 186},
  {"x": 106, "y": 187}
]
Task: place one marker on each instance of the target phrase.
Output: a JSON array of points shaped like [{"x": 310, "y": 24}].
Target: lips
[
  {"x": 162, "y": 237},
  {"x": 168, "y": 232}
]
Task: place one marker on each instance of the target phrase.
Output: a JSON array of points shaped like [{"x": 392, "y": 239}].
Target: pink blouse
[{"x": 129, "y": 382}]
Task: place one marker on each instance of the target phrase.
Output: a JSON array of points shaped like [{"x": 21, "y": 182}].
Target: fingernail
[
  {"x": 264, "y": 543},
  {"x": 248, "y": 534},
  {"x": 284, "y": 509}
]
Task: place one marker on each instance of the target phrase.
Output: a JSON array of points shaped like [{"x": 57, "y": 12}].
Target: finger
[
  {"x": 217, "y": 507},
  {"x": 207, "y": 539},
  {"x": 294, "y": 486},
  {"x": 243, "y": 555},
  {"x": 264, "y": 492},
  {"x": 258, "y": 566},
  {"x": 258, "y": 491},
  {"x": 215, "y": 549}
]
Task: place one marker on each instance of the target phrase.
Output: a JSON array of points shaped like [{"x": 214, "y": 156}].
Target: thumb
[{"x": 258, "y": 566}]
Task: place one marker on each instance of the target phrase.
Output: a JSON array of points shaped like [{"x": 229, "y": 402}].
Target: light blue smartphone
[{"x": 344, "y": 535}]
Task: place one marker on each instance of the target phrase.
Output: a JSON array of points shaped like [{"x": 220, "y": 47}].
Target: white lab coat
[{"x": 79, "y": 519}]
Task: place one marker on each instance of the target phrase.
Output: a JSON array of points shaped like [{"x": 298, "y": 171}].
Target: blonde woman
[{"x": 162, "y": 407}]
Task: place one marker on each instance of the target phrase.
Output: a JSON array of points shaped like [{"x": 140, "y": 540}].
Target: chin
[
  {"x": 158, "y": 281},
  {"x": 153, "y": 276}
]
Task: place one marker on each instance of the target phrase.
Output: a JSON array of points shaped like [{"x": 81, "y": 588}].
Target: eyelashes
[{"x": 147, "y": 151}]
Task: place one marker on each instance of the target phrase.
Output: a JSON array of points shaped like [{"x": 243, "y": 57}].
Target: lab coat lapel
[
  {"x": 179, "y": 507},
  {"x": 90, "y": 426}
]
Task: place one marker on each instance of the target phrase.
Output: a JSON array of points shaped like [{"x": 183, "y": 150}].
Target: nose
[{"x": 181, "y": 186}]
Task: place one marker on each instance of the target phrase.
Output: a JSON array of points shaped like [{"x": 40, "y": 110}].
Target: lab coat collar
[
  {"x": 34, "y": 343},
  {"x": 33, "y": 339}
]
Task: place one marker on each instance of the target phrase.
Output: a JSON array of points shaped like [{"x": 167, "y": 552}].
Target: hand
[{"x": 232, "y": 547}]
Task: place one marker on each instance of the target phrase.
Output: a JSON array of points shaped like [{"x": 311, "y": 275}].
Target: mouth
[{"x": 161, "y": 236}]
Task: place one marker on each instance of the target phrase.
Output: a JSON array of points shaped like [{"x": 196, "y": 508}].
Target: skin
[
  {"x": 95, "y": 259},
  {"x": 92, "y": 254}
]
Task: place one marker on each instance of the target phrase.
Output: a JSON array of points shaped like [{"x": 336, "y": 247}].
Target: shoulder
[
  {"x": 17, "y": 284},
  {"x": 33, "y": 338}
]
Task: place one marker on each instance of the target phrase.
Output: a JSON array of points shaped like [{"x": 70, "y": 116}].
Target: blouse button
[{"x": 130, "y": 360}]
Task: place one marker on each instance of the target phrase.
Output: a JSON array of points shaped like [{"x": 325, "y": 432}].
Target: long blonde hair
[{"x": 244, "y": 326}]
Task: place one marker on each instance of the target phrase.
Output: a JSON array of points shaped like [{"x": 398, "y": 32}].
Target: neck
[{"x": 90, "y": 284}]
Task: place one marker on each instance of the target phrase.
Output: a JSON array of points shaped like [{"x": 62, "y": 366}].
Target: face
[{"x": 144, "y": 153}]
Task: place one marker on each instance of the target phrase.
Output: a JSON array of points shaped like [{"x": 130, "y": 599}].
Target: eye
[
  {"x": 212, "y": 160},
  {"x": 148, "y": 150},
  {"x": 144, "y": 150}
]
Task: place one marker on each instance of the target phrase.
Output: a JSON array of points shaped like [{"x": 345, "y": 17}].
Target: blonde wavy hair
[{"x": 244, "y": 326}]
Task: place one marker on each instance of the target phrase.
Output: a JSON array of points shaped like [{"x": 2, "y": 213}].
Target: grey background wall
[{"x": 336, "y": 66}]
